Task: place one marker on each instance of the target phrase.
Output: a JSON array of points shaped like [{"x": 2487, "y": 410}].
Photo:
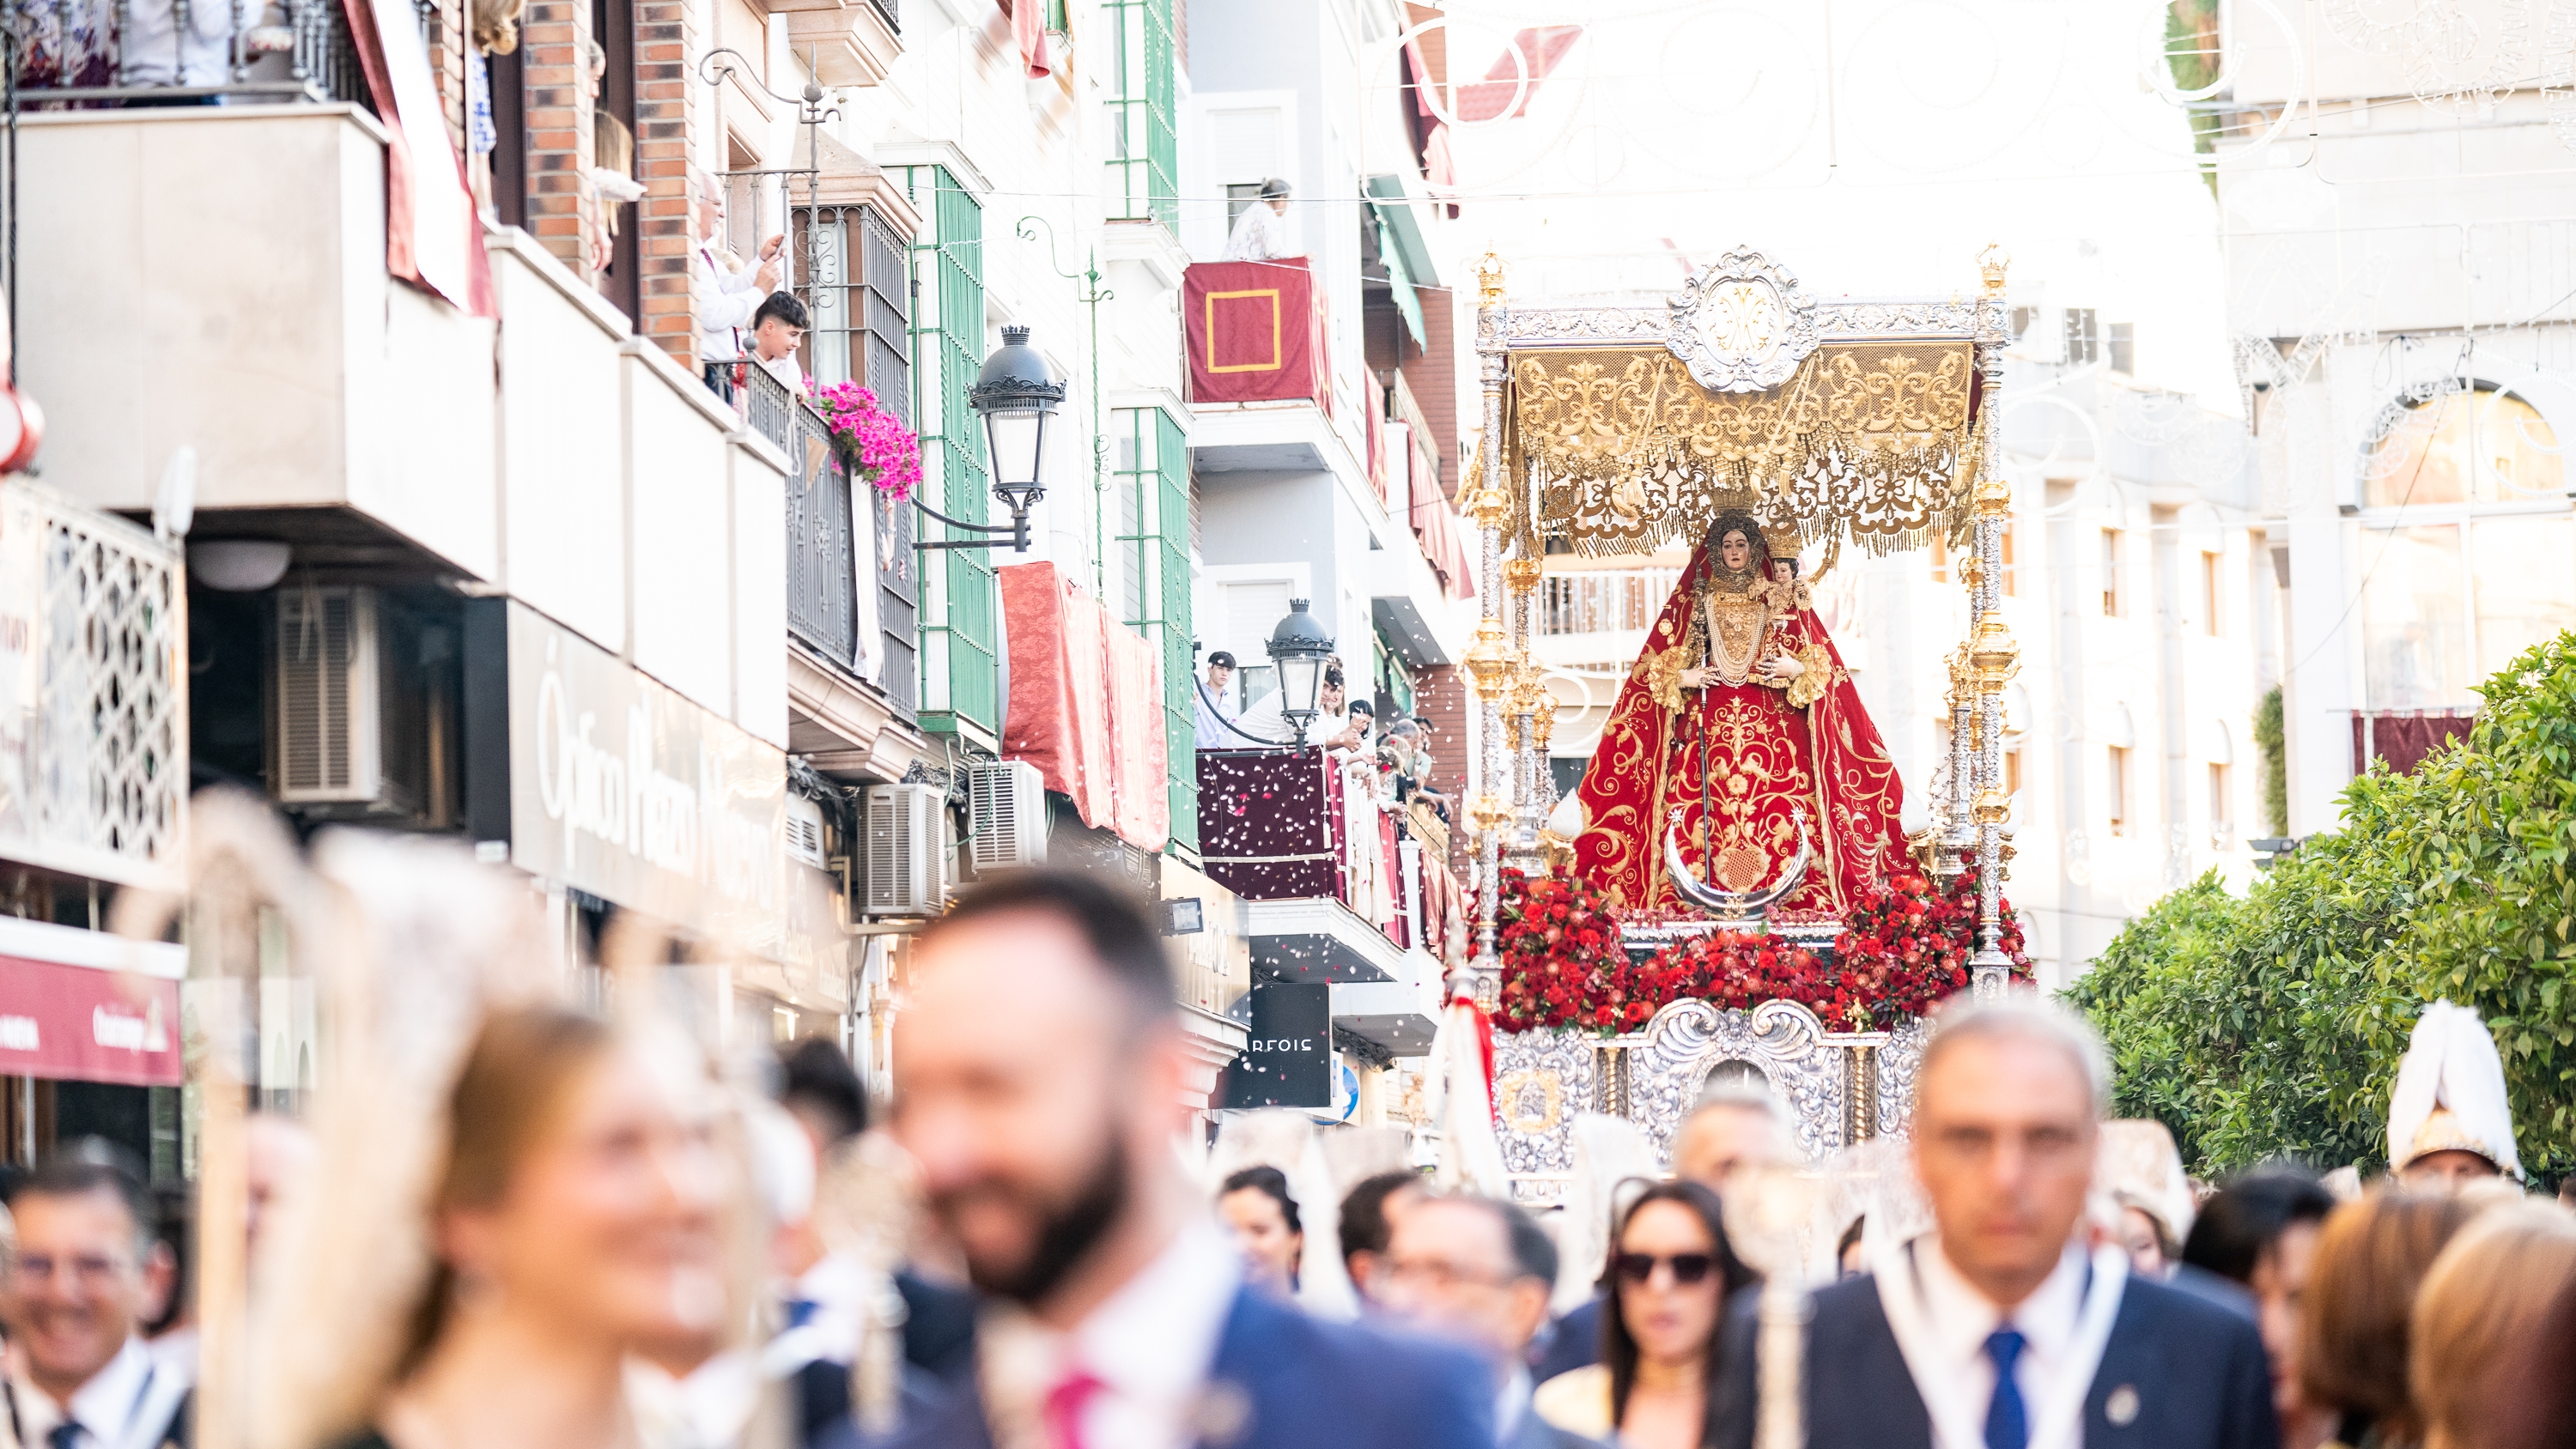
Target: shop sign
[
  {"x": 1288, "y": 1062},
  {"x": 623, "y": 788},
  {"x": 78, "y": 1023}
]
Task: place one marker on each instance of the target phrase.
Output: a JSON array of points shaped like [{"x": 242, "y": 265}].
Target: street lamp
[
  {"x": 1299, "y": 648},
  {"x": 1016, "y": 394}
]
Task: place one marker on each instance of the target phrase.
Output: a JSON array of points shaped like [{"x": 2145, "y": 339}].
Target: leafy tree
[{"x": 2272, "y": 1025}]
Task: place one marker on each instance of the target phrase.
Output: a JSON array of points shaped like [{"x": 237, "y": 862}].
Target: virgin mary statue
[{"x": 1738, "y": 729}]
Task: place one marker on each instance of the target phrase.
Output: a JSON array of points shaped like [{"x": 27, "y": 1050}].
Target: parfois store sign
[
  {"x": 1288, "y": 1062},
  {"x": 78, "y": 1023}
]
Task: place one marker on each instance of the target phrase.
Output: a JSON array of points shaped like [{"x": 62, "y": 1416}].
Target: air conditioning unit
[
  {"x": 805, "y": 831},
  {"x": 353, "y": 704},
  {"x": 901, "y": 850},
  {"x": 1006, "y": 815}
]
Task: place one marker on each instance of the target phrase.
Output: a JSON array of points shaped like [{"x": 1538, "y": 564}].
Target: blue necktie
[
  {"x": 65, "y": 1435},
  {"x": 801, "y": 1311},
  {"x": 2007, "y": 1422}
]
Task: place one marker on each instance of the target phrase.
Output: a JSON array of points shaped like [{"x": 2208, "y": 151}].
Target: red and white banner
[{"x": 79, "y": 1023}]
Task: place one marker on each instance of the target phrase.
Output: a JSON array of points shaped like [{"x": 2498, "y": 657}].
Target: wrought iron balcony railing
[
  {"x": 98, "y": 52},
  {"x": 829, "y": 573}
]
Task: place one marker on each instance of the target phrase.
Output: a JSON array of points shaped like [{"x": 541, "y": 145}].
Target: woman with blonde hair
[{"x": 2489, "y": 1294}]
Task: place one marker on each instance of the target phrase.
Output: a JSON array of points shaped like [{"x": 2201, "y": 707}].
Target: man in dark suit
[
  {"x": 2004, "y": 1328},
  {"x": 1039, "y": 1078},
  {"x": 1480, "y": 1271}
]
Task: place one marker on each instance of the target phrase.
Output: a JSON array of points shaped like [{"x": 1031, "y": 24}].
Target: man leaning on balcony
[
  {"x": 731, "y": 295},
  {"x": 1261, "y": 233},
  {"x": 1219, "y": 706}
]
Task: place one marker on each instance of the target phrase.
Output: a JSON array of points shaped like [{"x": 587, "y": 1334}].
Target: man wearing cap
[
  {"x": 2448, "y": 1120},
  {"x": 1261, "y": 233},
  {"x": 1218, "y": 707}
]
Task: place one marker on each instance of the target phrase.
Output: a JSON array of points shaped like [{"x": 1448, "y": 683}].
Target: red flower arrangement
[
  {"x": 1561, "y": 955},
  {"x": 1902, "y": 951}
]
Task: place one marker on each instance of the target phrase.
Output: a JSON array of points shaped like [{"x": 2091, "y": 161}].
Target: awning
[
  {"x": 1399, "y": 277},
  {"x": 1086, "y": 705},
  {"x": 86, "y": 1006}
]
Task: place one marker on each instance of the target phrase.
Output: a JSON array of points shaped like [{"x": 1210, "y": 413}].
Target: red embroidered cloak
[{"x": 1764, "y": 757}]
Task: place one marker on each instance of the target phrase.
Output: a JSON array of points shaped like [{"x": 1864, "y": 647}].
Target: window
[
  {"x": 2012, "y": 772},
  {"x": 1238, "y": 196},
  {"x": 2468, "y": 551},
  {"x": 2083, "y": 341},
  {"x": 1152, "y": 484},
  {"x": 2124, "y": 347},
  {"x": 960, "y": 608},
  {"x": 2021, "y": 321},
  {"x": 2464, "y": 447},
  {"x": 2011, "y": 585},
  {"x": 2116, "y": 790},
  {"x": 2213, "y": 593},
  {"x": 1144, "y": 151},
  {"x": 1940, "y": 559},
  {"x": 861, "y": 296},
  {"x": 2220, "y": 811},
  {"x": 2110, "y": 573}
]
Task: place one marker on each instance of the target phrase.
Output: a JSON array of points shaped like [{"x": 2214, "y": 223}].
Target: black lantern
[
  {"x": 1016, "y": 394},
  {"x": 1299, "y": 647}
]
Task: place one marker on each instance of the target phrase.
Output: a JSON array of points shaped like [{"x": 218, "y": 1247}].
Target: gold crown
[{"x": 1782, "y": 542}]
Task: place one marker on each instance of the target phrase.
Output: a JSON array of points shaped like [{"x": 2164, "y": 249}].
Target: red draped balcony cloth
[
  {"x": 1255, "y": 332},
  {"x": 1086, "y": 705}
]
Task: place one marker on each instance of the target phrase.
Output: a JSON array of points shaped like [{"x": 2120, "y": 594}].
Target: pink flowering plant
[{"x": 887, "y": 453}]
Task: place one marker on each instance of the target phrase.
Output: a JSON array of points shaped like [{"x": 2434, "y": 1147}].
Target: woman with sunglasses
[{"x": 1670, "y": 1274}]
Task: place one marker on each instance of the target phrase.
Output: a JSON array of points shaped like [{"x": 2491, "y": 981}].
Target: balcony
[
  {"x": 1334, "y": 888},
  {"x": 851, "y": 601},
  {"x": 94, "y": 765},
  {"x": 1260, "y": 374},
  {"x": 851, "y": 42},
  {"x": 297, "y": 50}
]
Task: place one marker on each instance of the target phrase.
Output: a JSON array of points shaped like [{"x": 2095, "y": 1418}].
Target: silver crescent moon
[{"x": 1747, "y": 908}]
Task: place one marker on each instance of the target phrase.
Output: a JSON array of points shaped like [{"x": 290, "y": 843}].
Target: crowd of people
[{"x": 613, "y": 1245}]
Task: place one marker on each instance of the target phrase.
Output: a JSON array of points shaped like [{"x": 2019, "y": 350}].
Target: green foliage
[
  {"x": 2272, "y": 1025},
  {"x": 2496, "y": 924},
  {"x": 2271, "y": 738}
]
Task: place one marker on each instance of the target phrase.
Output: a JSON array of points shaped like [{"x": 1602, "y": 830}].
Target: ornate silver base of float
[{"x": 1837, "y": 1088}]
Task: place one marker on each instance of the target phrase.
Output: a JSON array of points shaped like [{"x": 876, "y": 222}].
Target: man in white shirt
[
  {"x": 1218, "y": 707},
  {"x": 2004, "y": 1328},
  {"x": 729, "y": 296},
  {"x": 1479, "y": 1271},
  {"x": 87, "y": 1265},
  {"x": 1261, "y": 233},
  {"x": 1041, "y": 1092}
]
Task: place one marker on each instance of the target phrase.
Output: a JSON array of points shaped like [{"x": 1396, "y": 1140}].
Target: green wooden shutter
[
  {"x": 960, "y": 605},
  {"x": 1145, "y": 160},
  {"x": 1153, "y": 484}
]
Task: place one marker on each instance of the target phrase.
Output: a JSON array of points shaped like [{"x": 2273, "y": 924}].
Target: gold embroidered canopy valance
[{"x": 1620, "y": 450}]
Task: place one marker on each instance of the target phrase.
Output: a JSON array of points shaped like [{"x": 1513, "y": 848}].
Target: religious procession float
[{"x": 1728, "y": 894}]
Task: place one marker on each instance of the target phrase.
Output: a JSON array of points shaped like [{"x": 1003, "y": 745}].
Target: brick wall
[
  {"x": 668, "y": 107},
  {"x": 561, "y": 215},
  {"x": 1432, "y": 377}
]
